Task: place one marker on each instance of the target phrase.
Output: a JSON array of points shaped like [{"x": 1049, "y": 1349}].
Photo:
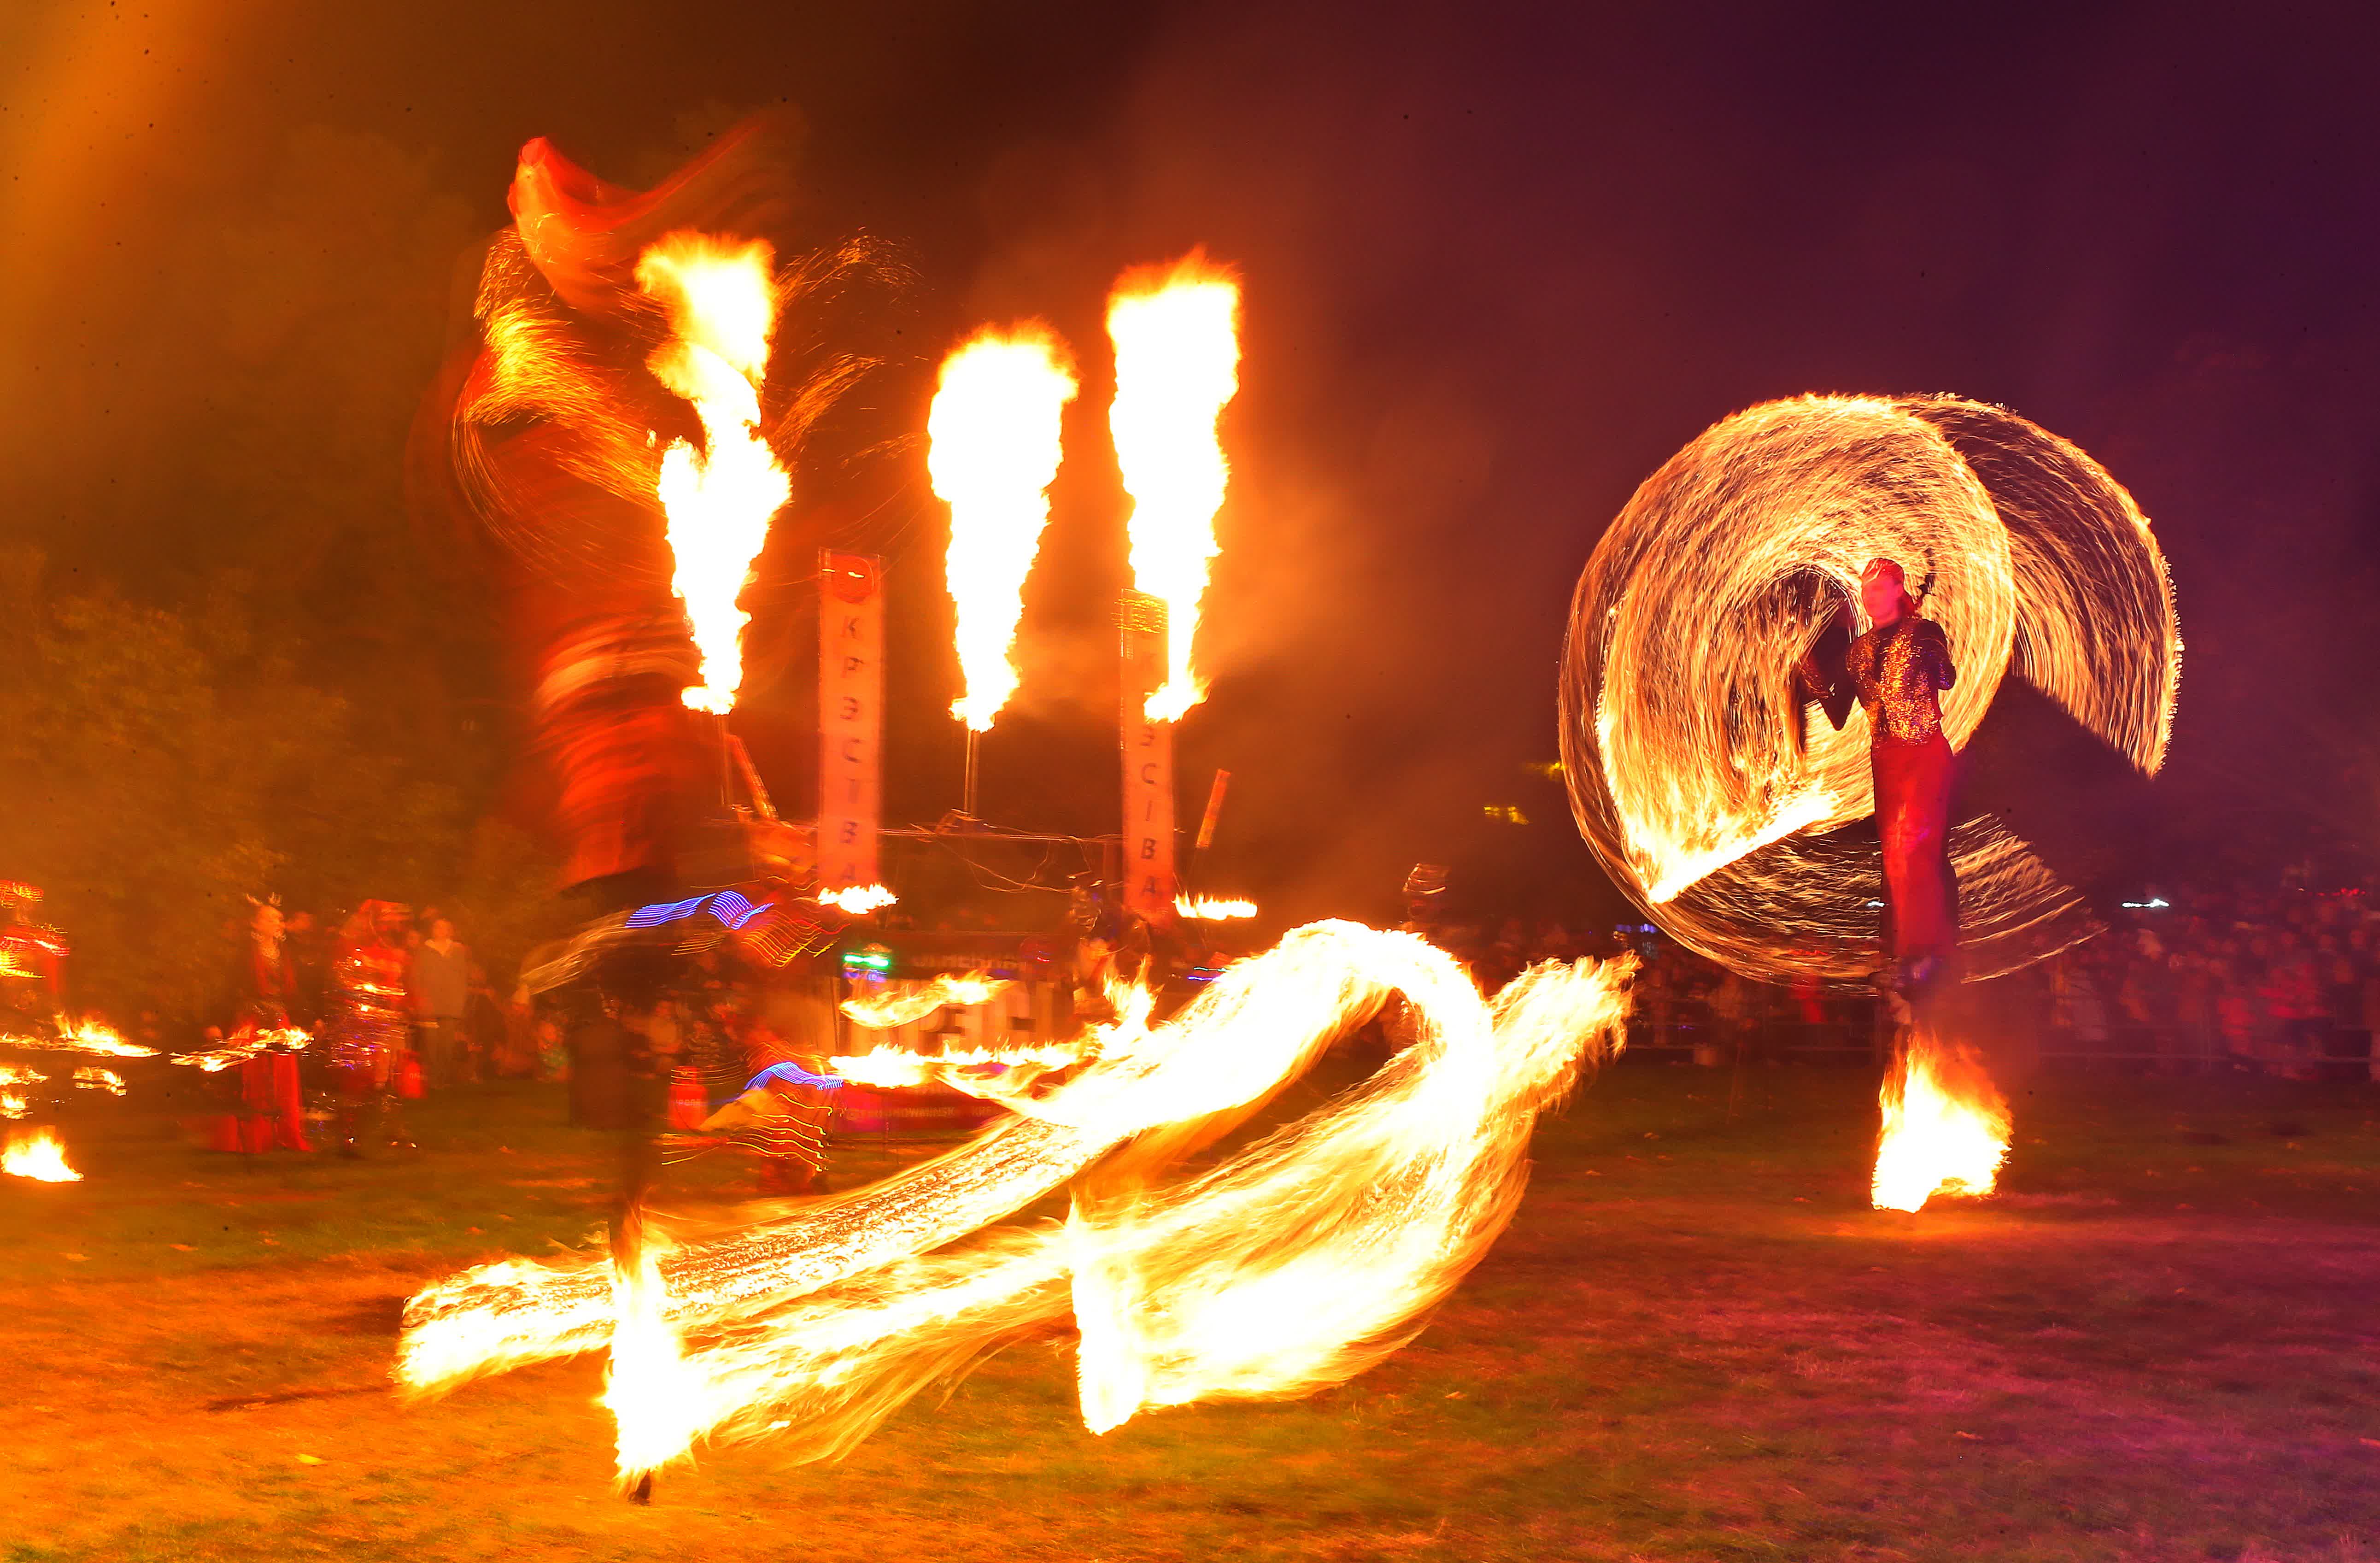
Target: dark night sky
[{"x": 1500, "y": 263}]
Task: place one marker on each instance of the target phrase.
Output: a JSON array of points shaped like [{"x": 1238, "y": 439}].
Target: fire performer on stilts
[{"x": 1896, "y": 672}]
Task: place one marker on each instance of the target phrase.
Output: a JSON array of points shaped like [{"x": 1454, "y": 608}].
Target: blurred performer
[
  {"x": 370, "y": 1020},
  {"x": 1896, "y": 671},
  {"x": 264, "y": 997}
]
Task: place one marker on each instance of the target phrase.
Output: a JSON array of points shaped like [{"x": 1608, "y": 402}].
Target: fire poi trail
[
  {"x": 1295, "y": 1264},
  {"x": 1702, "y": 781}
]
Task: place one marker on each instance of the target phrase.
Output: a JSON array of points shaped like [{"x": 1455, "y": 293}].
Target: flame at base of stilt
[
  {"x": 1946, "y": 1126},
  {"x": 38, "y": 1155}
]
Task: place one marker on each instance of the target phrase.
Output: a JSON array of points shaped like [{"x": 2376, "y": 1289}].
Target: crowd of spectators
[{"x": 2279, "y": 983}]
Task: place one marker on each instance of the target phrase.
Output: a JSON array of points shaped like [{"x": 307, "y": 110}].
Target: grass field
[{"x": 1696, "y": 1342}]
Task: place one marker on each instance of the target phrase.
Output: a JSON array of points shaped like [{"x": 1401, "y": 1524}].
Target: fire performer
[
  {"x": 371, "y": 1019},
  {"x": 1896, "y": 671},
  {"x": 265, "y": 989}
]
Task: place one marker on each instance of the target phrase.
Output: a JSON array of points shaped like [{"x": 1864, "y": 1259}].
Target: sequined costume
[{"x": 1895, "y": 672}]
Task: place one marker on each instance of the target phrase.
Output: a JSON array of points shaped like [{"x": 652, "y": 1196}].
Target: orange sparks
[
  {"x": 721, "y": 305},
  {"x": 1945, "y": 1128},
  {"x": 38, "y": 1155},
  {"x": 992, "y": 451},
  {"x": 86, "y": 1035},
  {"x": 1177, "y": 358},
  {"x": 1214, "y": 909}
]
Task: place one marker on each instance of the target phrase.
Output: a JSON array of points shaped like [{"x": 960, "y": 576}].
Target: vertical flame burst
[
  {"x": 1945, "y": 1128},
  {"x": 1177, "y": 355},
  {"x": 721, "y": 306},
  {"x": 38, "y": 1155},
  {"x": 992, "y": 450}
]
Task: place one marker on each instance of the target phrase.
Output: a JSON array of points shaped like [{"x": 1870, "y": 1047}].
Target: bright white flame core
[
  {"x": 1945, "y": 1128},
  {"x": 721, "y": 305},
  {"x": 992, "y": 451},
  {"x": 1177, "y": 357},
  {"x": 1294, "y": 1264},
  {"x": 38, "y": 1155},
  {"x": 857, "y": 899}
]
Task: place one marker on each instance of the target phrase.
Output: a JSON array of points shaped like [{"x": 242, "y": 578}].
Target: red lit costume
[{"x": 1895, "y": 672}]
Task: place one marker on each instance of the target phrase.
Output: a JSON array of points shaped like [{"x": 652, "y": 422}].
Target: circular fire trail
[
  {"x": 1295, "y": 1263},
  {"x": 1696, "y": 776}
]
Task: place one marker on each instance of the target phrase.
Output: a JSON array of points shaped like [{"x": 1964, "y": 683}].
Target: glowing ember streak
[
  {"x": 38, "y": 1155},
  {"x": 287, "y": 1038},
  {"x": 1945, "y": 1128},
  {"x": 99, "y": 1079},
  {"x": 721, "y": 306},
  {"x": 13, "y": 1106},
  {"x": 1695, "y": 772},
  {"x": 857, "y": 899},
  {"x": 86, "y": 1035},
  {"x": 1177, "y": 358},
  {"x": 903, "y": 1003},
  {"x": 993, "y": 449},
  {"x": 892, "y": 1069},
  {"x": 1295, "y": 1263},
  {"x": 1213, "y": 909}
]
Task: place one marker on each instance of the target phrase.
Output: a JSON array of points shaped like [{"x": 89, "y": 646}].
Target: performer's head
[{"x": 1883, "y": 595}]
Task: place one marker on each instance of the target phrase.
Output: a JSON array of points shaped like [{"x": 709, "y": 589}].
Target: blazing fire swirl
[{"x": 1695, "y": 772}]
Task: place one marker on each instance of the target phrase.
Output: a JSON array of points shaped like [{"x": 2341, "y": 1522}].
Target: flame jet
[
  {"x": 992, "y": 451},
  {"x": 1295, "y": 1263},
  {"x": 719, "y": 500},
  {"x": 1177, "y": 357}
]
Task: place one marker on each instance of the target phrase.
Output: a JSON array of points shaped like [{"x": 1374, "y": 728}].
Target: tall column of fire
[{"x": 1177, "y": 354}]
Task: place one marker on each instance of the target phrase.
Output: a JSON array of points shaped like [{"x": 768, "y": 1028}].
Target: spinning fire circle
[{"x": 1696, "y": 776}]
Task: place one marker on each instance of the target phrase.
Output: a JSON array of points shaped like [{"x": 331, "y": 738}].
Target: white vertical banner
[
  {"x": 1150, "y": 885},
  {"x": 851, "y": 717}
]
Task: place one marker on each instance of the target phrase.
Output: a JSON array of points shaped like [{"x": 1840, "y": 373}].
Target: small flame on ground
[
  {"x": 857, "y": 899},
  {"x": 721, "y": 305},
  {"x": 992, "y": 451},
  {"x": 1213, "y": 909},
  {"x": 1177, "y": 356},
  {"x": 38, "y": 1155},
  {"x": 902, "y": 1003},
  {"x": 1945, "y": 1128},
  {"x": 12, "y": 1106}
]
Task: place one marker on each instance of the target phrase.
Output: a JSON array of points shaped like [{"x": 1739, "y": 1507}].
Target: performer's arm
[
  {"x": 1832, "y": 691},
  {"x": 1938, "y": 656}
]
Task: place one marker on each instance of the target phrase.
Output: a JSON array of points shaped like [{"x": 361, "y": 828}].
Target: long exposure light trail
[{"x": 1292, "y": 1264}]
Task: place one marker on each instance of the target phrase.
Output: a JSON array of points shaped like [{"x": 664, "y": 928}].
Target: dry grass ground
[{"x": 1696, "y": 1343}]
